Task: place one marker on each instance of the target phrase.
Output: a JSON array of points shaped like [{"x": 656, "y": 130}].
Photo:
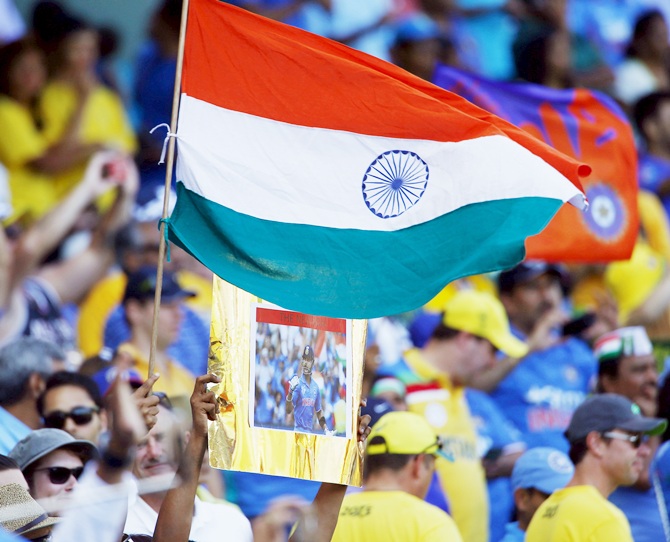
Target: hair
[
  {"x": 66, "y": 378},
  {"x": 647, "y": 108},
  {"x": 531, "y": 60},
  {"x": 19, "y": 360},
  {"x": 609, "y": 368},
  {"x": 444, "y": 333},
  {"x": 641, "y": 30},
  {"x": 577, "y": 451},
  {"x": 376, "y": 463},
  {"x": 7, "y": 463},
  {"x": 9, "y": 54}
]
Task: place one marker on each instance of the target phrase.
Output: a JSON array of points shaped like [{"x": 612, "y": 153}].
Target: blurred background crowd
[{"x": 81, "y": 194}]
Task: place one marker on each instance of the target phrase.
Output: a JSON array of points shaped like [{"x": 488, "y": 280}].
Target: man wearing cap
[
  {"x": 138, "y": 304},
  {"x": 536, "y": 475},
  {"x": 627, "y": 366},
  {"x": 52, "y": 461},
  {"x": 540, "y": 392},
  {"x": 473, "y": 327},
  {"x": 399, "y": 464},
  {"x": 608, "y": 448},
  {"x": 304, "y": 397}
]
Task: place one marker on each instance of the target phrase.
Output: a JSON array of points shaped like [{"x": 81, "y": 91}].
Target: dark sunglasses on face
[
  {"x": 80, "y": 415},
  {"x": 60, "y": 475},
  {"x": 635, "y": 440}
]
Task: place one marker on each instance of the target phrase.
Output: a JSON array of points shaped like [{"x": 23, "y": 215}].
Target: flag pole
[{"x": 168, "y": 182}]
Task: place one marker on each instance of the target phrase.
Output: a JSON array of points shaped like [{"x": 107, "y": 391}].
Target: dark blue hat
[{"x": 142, "y": 286}]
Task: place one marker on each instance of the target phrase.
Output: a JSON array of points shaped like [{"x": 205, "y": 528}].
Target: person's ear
[
  {"x": 36, "y": 385},
  {"x": 521, "y": 498},
  {"x": 595, "y": 443}
]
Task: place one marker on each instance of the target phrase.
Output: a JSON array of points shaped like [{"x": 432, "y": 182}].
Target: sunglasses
[
  {"x": 60, "y": 475},
  {"x": 80, "y": 415},
  {"x": 635, "y": 440}
]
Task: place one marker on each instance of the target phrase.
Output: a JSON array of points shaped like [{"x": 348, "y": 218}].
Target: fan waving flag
[
  {"x": 330, "y": 182},
  {"x": 588, "y": 126}
]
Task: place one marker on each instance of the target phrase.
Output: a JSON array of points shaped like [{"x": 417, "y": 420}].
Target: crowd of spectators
[{"x": 496, "y": 365}]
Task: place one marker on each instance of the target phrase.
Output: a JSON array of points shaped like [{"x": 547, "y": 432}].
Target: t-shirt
[
  {"x": 642, "y": 511},
  {"x": 540, "y": 394},
  {"x": 212, "y": 522},
  {"x": 103, "y": 121},
  {"x": 495, "y": 435},
  {"x": 443, "y": 405},
  {"x": 392, "y": 516},
  {"x": 578, "y": 513},
  {"x": 306, "y": 401},
  {"x": 33, "y": 193}
]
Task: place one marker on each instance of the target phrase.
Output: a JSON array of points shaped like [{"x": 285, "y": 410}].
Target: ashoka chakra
[{"x": 394, "y": 183}]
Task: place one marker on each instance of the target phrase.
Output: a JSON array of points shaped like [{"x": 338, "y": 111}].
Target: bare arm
[
  {"x": 43, "y": 236},
  {"x": 174, "y": 519},
  {"x": 68, "y": 151},
  {"x": 74, "y": 277},
  {"x": 541, "y": 338},
  {"x": 326, "y": 506}
]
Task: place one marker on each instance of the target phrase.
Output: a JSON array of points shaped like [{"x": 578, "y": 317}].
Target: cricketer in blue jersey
[{"x": 304, "y": 397}]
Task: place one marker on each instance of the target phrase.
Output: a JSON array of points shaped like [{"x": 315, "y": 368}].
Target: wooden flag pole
[{"x": 168, "y": 183}]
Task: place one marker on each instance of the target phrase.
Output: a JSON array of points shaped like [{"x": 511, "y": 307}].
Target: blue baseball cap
[{"x": 544, "y": 469}]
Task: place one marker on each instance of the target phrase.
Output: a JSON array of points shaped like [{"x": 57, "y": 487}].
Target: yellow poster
[{"x": 290, "y": 389}]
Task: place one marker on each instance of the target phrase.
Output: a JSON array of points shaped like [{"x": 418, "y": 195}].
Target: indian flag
[{"x": 330, "y": 182}]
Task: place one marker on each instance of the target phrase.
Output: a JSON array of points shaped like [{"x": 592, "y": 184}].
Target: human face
[
  {"x": 528, "y": 500},
  {"x": 478, "y": 355},
  {"x": 169, "y": 320},
  {"x": 636, "y": 379},
  {"x": 396, "y": 400},
  {"x": 65, "y": 399},
  {"x": 82, "y": 50},
  {"x": 27, "y": 75},
  {"x": 622, "y": 461},
  {"x": 307, "y": 365},
  {"x": 529, "y": 301},
  {"x": 41, "y": 485},
  {"x": 157, "y": 453}
]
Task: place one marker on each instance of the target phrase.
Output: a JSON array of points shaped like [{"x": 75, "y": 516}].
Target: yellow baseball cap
[
  {"x": 483, "y": 315},
  {"x": 405, "y": 433}
]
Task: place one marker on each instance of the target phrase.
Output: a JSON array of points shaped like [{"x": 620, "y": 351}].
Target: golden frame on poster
[{"x": 246, "y": 437}]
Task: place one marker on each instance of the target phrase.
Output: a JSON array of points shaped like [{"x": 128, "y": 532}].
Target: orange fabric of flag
[{"x": 591, "y": 128}]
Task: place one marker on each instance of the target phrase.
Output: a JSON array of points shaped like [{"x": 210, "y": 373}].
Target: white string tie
[{"x": 165, "y": 141}]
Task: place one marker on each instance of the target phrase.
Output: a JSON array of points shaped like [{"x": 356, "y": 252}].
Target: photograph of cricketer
[{"x": 299, "y": 373}]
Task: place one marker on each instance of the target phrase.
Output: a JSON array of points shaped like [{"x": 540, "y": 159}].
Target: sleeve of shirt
[{"x": 22, "y": 142}]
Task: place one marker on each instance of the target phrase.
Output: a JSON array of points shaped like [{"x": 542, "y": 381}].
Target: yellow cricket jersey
[
  {"x": 392, "y": 516},
  {"x": 576, "y": 514},
  {"x": 103, "y": 121},
  {"x": 33, "y": 193},
  {"x": 432, "y": 395}
]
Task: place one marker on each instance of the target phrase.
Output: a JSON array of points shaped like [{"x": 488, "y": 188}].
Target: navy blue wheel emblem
[
  {"x": 606, "y": 216},
  {"x": 394, "y": 183}
]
